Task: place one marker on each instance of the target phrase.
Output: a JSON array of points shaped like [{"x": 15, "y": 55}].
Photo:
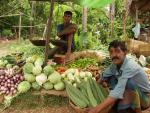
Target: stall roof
[{"x": 142, "y": 5}]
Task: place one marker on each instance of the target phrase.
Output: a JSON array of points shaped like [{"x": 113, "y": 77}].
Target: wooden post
[
  {"x": 20, "y": 26},
  {"x": 136, "y": 14},
  {"x": 48, "y": 31},
  {"x": 84, "y": 19},
  {"x": 31, "y": 20}
]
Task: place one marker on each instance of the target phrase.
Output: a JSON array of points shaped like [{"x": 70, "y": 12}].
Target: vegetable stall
[{"x": 76, "y": 80}]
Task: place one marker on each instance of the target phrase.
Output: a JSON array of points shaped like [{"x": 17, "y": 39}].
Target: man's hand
[
  {"x": 110, "y": 101},
  {"x": 91, "y": 110},
  {"x": 103, "y": 83},
  {"x": 71, "y": 29}
]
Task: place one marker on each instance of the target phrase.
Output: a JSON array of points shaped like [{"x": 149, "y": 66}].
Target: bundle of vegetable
[
  {"x": 95, "y": 70},
  {"x": 40, "y": 77},
  {"x": 9, "y": 81},
  {"x": 8, "y": 61},
  {"x": 83, "y": 63},
  {"x": 74, "y": 76},
  {"x": 87, "y": 94}
]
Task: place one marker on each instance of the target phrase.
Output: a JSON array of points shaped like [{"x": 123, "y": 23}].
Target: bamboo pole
[
  {"x": 2, "y": 16},
  {"x": 48, "y": 31}
]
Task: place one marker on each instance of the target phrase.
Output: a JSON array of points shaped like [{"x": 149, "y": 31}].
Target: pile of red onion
[{"x": 9, "y": 82}]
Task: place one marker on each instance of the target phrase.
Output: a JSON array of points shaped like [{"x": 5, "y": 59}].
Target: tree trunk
[
  {"x": 112, "y": 17},
  {"x": 127, "y": 4}
]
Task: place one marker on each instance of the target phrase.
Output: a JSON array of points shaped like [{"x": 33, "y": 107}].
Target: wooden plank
[
  {"x": 48, "y": 31},
  {"x": 62, "y": 93}
]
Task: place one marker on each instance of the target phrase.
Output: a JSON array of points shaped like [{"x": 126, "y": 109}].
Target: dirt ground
[
  {"x": 24, "y": 106},
  {"x": 5, "y": 46}
]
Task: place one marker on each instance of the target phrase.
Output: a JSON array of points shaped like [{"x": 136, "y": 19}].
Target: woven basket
[
  {"x": 38, "y": 42},
  {"x": 144, "y": 49},
  {"x": 1, "y": 98},
  {"x": 133, "y": 45},
  {"x": 79, "y": 110}
]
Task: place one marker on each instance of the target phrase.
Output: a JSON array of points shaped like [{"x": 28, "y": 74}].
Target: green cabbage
[
  {"x": 39, "y": 62},
  {"x": 48, "y": 85},
  {"x": 37, "y": 70},
  {"x": 36, "y": 86},
  {"x": 31, "y": 59},
  {"x": 54, "y": 78},
  {"x": 29, "y": 77},
  {"x": 9, "y": 66},
  {"x": 48, "y": 70},
  {"x": 28, "y": 67},
  {"x": 59, "y": 86},
  {"x": 23, "y": 87}
]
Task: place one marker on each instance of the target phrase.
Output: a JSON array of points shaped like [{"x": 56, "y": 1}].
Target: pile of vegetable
[
  {"x": 74, "y": 76},
  {"x": 83, "y": 63},
  {"x": 95, "y": 70},
  {"x": 39, "y": 77},
  {"x": 9, "y": 80},
  {"x": 7, "y": 61},
  {"x": 87, "y": 94}
]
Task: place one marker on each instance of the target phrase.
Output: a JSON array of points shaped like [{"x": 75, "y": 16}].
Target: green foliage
[
  {"x": 98, "y": 19},
  {"x": 28, "y": 49},
  {"x": 85, "y": 41},
  {"x": 95, "y": 3},
  {"x": 7, "y": 32}
]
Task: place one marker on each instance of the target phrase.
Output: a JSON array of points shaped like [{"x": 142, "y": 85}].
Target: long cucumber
[
  {"x": 100, "y": 93},
  {"x": 77, "y": 101},
  {"x": 91, "y": 97},
  {"x": 104, "y": 90},
  {"x": 94, "y": 90},
  {"x": 76, "y": 92}
]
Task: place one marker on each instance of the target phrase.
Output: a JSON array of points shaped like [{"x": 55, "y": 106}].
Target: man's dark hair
[
  {"x": 68, "y": 13},
  {"x": 117, "y": 43}
]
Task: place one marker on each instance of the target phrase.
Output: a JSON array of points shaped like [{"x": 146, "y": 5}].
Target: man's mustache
[{"x": 114, "y": 58}]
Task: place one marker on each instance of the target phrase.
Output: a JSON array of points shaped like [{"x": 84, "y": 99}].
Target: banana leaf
[{"x": 95, "y": 3}]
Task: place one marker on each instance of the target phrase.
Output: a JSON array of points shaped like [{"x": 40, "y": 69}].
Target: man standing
[
  {"x": 65, "y": 32},
  {"x": 128, "y": 83}
]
